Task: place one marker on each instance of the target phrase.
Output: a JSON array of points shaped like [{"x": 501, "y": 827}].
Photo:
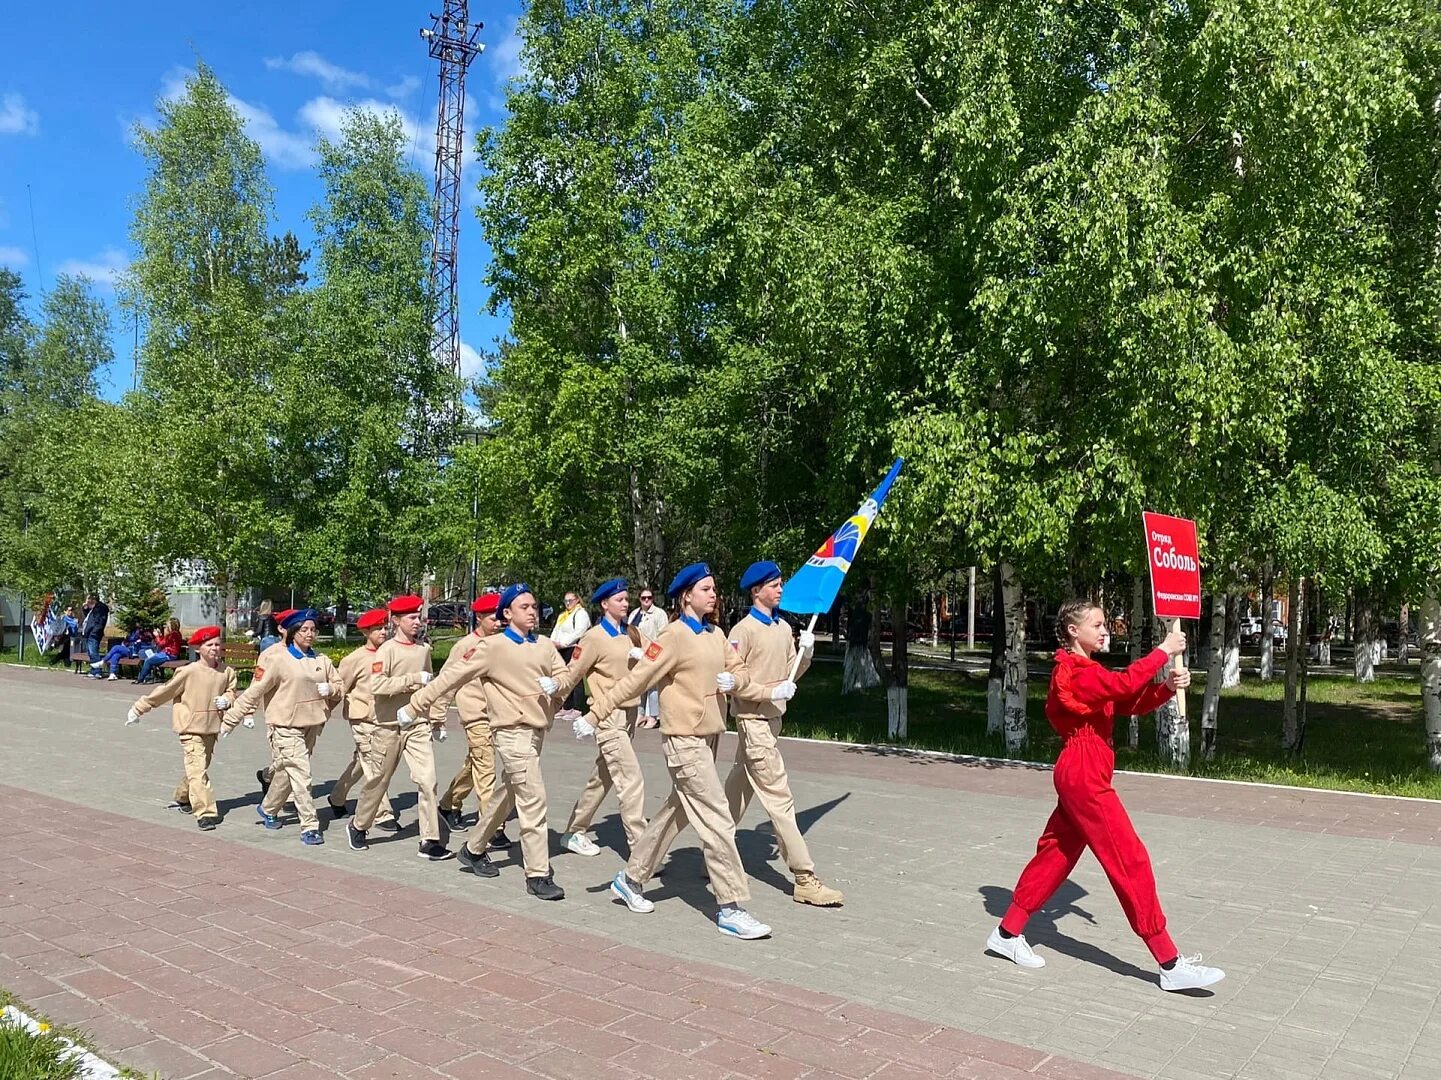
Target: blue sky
[{"x": 75, "y": 80}]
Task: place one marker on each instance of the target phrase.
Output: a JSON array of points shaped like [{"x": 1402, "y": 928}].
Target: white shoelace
[
  {"x": 742, "y": 918},
  {"x": 1189, "y": 963}
]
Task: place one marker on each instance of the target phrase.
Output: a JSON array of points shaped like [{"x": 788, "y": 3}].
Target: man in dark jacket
[{"x": 92, "y": 629}]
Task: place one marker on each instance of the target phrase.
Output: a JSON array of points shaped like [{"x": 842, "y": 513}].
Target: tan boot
[{"x": 810, "y": 889}]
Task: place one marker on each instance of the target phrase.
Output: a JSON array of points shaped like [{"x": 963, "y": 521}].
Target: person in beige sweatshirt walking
[
  {"x": 199, "y": 695},
  {"x": 604, "y": 656},
  {"x": 694, "y": 668},
  {"x": 763, "y": 640},
  {"x": 520, "y": 675},
  {"x": 400, "y": 667},
  {"x": 359, "y": 708},
  {"x": 477, "y": 771},
  {"x": 297, "y": 690}
]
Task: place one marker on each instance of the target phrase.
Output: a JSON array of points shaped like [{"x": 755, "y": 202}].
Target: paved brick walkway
[{"x": 242, "y": 950}]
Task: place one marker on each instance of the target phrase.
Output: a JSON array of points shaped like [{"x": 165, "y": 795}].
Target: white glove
[
  {"x": 549, "y": 685},
  {"x": 424, "y": 677},
  {"x": 807, "y": 641},
  {"x": 221, "y": 704},
  {"x": 582, "y": 729},
  {"x": 249, "y": 721},
  {"x": 132, "y": 717},
  {"x": 224, "y": 731},
  {"x": 403, "y": 717},
  {"x": 323, "y": 689},
  {"x": 635, "y": 652},
  {"x": 437, "y": 734},
  {"x": 783, "y": 691},
  {"x": 726, "y": 681}
]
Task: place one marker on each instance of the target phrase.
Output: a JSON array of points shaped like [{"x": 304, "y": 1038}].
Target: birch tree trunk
[
  {"x": 899, "y": 688},
  {"x": 1365, "y": 658},
  {"x": 935, "y": 620},
  {"x": 1431, "y": 675},
  {"x": 1290, "y": 726},
  {"x": 1173, "y": 731},
  {"x": 1231, "y": 668},
  {"x": 1403, "y": 634},
  {"x": 1014, "y": 693},
  {"x": 1268, "y": 644},
  {"x": 1215, "y": 676},
  {"x": 996, "y": 679},
  {"x": 1139, "y": 622}
]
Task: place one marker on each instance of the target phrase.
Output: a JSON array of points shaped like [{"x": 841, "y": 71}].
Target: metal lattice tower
[{"x": 452, "y": 38}]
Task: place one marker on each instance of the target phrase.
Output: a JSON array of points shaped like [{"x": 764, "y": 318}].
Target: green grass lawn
[{"x": 27, "y": 1056}]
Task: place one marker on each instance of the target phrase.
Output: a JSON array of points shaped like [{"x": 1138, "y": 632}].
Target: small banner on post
[{"x": 1175, "y": 562}]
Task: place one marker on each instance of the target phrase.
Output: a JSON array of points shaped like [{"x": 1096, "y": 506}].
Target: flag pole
[
  {"x": 796, "y": 664},
  {"x": 1178, "y": 664}
]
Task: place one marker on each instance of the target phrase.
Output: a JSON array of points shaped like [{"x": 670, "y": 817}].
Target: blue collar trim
[
  {"x": 698, "y": 625},
  {"x": 761, "y": 616},
  {"x": 613, "y": 629},
  {"x": 308, "y": 654},
  {"x": 528, "y": 639}
]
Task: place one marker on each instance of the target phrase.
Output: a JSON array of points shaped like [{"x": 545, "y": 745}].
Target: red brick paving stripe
[{"x": 219, "y": 967}]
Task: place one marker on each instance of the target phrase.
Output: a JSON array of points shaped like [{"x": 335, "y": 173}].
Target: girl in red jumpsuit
[{"x": 1082, "y": 705}]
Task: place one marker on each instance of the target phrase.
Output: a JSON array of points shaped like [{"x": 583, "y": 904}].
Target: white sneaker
[
  {"x": 112, "y": 677},
  {"x": 579, "y": 843},
  {"x": 1015, "y": 949},
  {"x": 1190, "y": 974},
  {"x": 738, "y": 922},
  {"x": 96, "y": 665},
  {"x": 633, "y": 899}
]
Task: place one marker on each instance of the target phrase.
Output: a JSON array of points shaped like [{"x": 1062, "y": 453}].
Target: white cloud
[
  {"x": 403, "y": 89},
  {"x": 16, "y": 118},
  {"x": 104, "y": 269},
  {"x": 287, "y": 149},
  {"x": 471, "y": 362},
  {"x": 504, "y": 63},
  {"x": 311, "y": 63},
  {"x": 15, "y": 258}
]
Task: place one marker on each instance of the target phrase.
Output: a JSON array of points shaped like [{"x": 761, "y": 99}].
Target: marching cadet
[
  {"x": 399, "y": 667},
  {"x": 477, "y": 771},
  {"x": 265, "y": 656},
  {"x": 359, "y": 706},
  {"x": 691, "y": 664},
  {"x": 763, "y": 640},
  {"x": 297, "y": 689},
  {"x": 605, "y": 654},
  {"x": 520, "y": 675},
  {"x": 199, "y": 694}
]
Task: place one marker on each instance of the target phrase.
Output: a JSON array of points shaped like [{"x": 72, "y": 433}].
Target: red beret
[
  {"x": 281, "y": 616},
  {"x": 204, "y": 634},
  {"x": 372, "y": 618},
  {"x": 405, "y": 605},
  {"x": 488, "y": 604}
]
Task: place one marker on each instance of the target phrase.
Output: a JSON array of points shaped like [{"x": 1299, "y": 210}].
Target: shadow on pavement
[{"x": 1042, "y": 929}]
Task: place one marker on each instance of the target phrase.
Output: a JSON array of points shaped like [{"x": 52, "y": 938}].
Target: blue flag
[{"x": 813, "y": 588}]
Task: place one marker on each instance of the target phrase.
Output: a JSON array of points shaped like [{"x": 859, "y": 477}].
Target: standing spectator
[
  {"x": 650, "y": 621},
  {"x": 92, "y": 629},
  {"x": 267, "y": 627},
  {"x": 167, "y": 648},
  {"x": 570, "y": 626},
  {"x": 69, "y": 633}
]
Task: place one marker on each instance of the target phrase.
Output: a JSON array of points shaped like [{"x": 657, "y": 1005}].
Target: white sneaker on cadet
[
  {"x": 1189, "y": 973},
  {"x": 622, "y": 887},
  {"x": 738, "y": 922},
  {"x": 579, "y": 843},
  {"x": 1015, "y": 949}
]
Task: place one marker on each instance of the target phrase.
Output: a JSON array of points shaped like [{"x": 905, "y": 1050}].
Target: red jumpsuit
[{"x": 1082, "y": 704}]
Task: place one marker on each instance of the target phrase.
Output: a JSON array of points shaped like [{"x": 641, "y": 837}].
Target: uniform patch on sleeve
[
  {"x": 377, "y": 667},
  {"x": 575, "y": 654},
  {"x": 469, "y": 653},
  {"x": 652, "y": 650},
  {"x": 259, "y": 673},
  {"x": 736, "y": 645}
]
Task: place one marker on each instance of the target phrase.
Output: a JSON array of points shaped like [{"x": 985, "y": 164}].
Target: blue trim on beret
[
  {"x": 758, "y": 573},
  {"x": 687, "y": 577},
  {"x": 607, "y": 589},
  {"x": 510, "y": 595}
]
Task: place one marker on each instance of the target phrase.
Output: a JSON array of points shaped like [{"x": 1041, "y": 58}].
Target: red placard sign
[{"x": 1175, "y": 566}]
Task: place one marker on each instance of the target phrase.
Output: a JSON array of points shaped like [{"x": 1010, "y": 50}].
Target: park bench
[{"x": 241, "y": 656}]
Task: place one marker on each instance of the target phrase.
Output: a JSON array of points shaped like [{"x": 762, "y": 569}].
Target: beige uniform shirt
[
  {"x": 766, "y": 645},
  {"x": 354, "y": 672},
  {"x": 395, "y": 672},
  {"x": 508, "y": 669},
  {"x": 603, "y": 656},
  {"x": 192, "y": 691},
  {"x": 470, "y": 697},
  {"x": 682, "y": 663},
  {"x": 285, "y": 687}
]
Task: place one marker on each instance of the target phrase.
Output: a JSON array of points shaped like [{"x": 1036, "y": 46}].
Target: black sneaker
[
  {"x": 544, "y": 888},
  {"x": 499, "y": 842},
  {"x": 207, "y": 823},
  {"x": 435, "y": 851},
  {"x": 183, "y": 807},
  {"x": 339, "y": 811},
  {"x": 479, "y": 865},
  {"x": 357, "y": 839},
  {"x": 390, "y": 824},
  {"x": 264, "y": 783},
  {"x": 454, "y": 820}
]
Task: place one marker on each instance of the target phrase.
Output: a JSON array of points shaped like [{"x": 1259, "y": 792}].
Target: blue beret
[
  {"x": 510, "y": 595},
  {"x": 758, "y": 573},
  {"x": 295, "y": 618},
  {"x": 607, "y": 589},
  {"x": 687, "y": 577}
]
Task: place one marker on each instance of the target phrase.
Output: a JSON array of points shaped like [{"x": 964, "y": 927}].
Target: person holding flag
[
  {"x": 694, "y": 668},
  {"x": 1082, "y": 704},
  {"x": 763, "y": 640}
]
